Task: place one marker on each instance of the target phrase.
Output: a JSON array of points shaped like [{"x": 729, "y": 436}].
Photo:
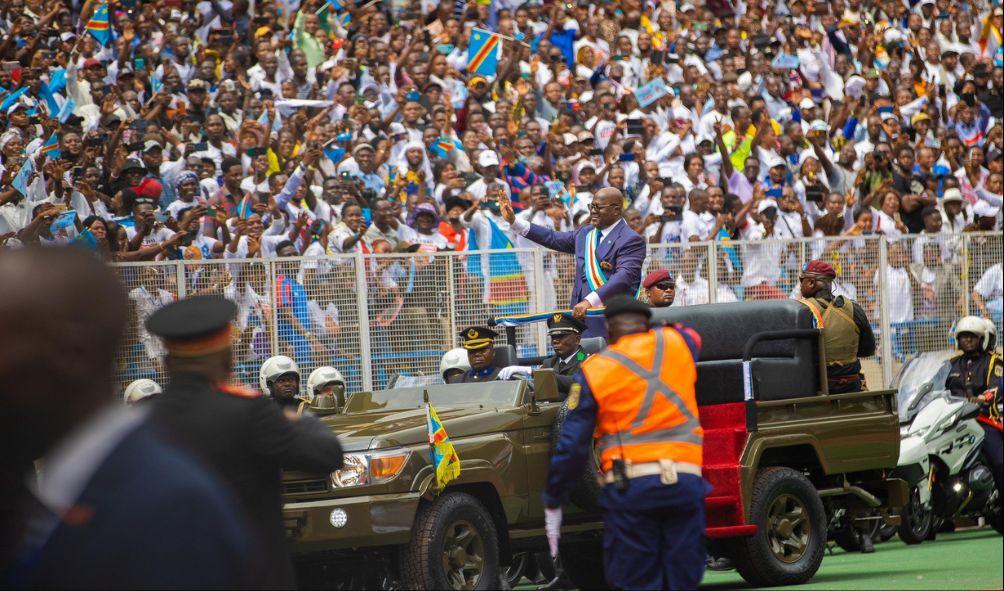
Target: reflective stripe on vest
[
  {"x": 660, "y": 443},
  {"x": 840, "y": 333}
]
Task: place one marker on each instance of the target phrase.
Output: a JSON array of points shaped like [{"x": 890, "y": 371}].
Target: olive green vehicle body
[{"x": 504, "y": 441}]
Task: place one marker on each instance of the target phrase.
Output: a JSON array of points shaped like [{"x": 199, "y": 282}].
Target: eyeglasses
[
  {"x": 665, "y": 285},
  {"x": 596, "y": 207}
]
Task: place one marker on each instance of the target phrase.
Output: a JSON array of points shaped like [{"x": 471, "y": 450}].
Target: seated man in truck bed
[
  {"x": 847, "y": 334},
  {"x": 480, "y": 345}
]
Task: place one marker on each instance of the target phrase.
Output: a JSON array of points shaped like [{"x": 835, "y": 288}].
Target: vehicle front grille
[{"x": 301, "y": 487}]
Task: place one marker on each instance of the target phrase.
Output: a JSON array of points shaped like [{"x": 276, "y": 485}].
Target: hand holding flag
[{"x": 100, "y": 26}]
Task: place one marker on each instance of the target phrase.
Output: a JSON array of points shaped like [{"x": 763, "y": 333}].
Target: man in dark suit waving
[{"x": 608, "y": 254}]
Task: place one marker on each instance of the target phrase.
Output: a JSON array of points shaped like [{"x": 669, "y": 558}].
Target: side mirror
[{"x": 545, "y": 385}]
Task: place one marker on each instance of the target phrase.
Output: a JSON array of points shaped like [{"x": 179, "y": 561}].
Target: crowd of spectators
[{"x": 253, "y": 129}]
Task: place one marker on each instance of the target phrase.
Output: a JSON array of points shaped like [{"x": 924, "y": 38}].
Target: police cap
[
  {"x": 564, "y": 323},
  {"x": 478, "y": 337},
  {"x": 625, "y": 304},
  {"x": 194, "y": 326}
]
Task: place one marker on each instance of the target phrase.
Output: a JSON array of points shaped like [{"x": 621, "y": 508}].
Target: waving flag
[
  {"x": 505, "y": 283},
  {"x": 51, "y": 147},
  {"x": 20, "y": 181},
  {"x": 444, "y": 456},
  {"x": 66, "y": 110},
  {"x": 245, "y": 207},
  {"x": 442, "y": 147},
  {"x": 483, "y": 53},
  {"x": 99, "y": 25},
  {"x": 990, "y": 37}
]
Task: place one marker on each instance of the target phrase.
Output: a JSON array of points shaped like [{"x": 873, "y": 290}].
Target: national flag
[
  {"x": 66, "y": 111},
  {"x": 57, "y": 80},
  {"x": 51, "y": 104},
  {"x": 444, "y": 456},
  {"x": 990, "y": 37},
  {"x": 155, "y": 83},
  {"x": 337, "y": 4},
  {"x": 442, "y": 147},
  {"x": 99, "y": 26},
  {"x": 505, "y": 282},
  {"x": 87, "y": 239},
  {"x": 23, "y": 176},
  {"x": 12, "y": 98},
  {"x": 245, "y": 208},
  {"x": 344, "y": 19},
  {"x": 51, "y": 147},
  {"x": 334, "y": 153},
  {"x": 483, "y": 53}
]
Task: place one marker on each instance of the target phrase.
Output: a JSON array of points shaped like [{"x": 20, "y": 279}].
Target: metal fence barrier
[{"x": 374, "y": 316}]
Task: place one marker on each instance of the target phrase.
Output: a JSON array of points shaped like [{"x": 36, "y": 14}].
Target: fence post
[
  {"x": 885, "y": 329},
  {"x": 538, "y": 296},
  {"x": 712, "y": 273},
  {"x": 179, "y": 270},
  {"x": 362, "y": 306},
  {"x": 964, "y": 275},
  {"x": 451, "y": 300},
  {"x": 273, "y": 332}
]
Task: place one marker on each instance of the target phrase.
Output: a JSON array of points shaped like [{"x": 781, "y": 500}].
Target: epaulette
[{"x": 238, "y": 391}]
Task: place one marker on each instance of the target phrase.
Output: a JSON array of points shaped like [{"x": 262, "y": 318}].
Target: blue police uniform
[{"x": 652, "y": 525}]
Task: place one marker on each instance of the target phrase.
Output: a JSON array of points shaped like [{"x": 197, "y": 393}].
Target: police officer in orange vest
[{"x": 637, "y": 398}]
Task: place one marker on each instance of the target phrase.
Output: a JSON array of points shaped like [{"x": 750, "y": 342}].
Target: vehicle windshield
[
  {"x": 501, "y": 394},
  {"x": 921, "y": 381}
]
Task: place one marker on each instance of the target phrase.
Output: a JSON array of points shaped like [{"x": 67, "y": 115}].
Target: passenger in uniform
[
  {"x": 660, "y": 287},
  {"x": 565, "y": 332},
  {"x": 244, "y": 437},
  {"x": 976, "y": 370},
  {"x": 279, "y": 377},
  {"x": 480, "y": 345},
  {"x": 326, "y": 390},
  {"x": 453, "y": 365},
  {"x": 650, "y": 439},
  {"x": 847, "y": 334}
]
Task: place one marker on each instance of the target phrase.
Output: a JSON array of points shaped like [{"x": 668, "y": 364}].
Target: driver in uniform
[{"x": 480, "y": 345}]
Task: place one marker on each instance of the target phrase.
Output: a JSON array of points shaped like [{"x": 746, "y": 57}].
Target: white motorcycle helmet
[
  {"x": 321, "y": 377},
  {"x": 454, "y": 359},
  {"x": 273, "y": 369},
  {"x": 141, "y": 390},
  {"x": 990, "y": 343},
  {"x": 974, "y": 325}
]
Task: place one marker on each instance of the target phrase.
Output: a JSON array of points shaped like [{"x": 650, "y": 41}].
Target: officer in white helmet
[
  {"x": 280, "y": 378},
  {"x": 326, "y": 389},
  {"x": 141, "y": 391},
  {"x": 453, "y": 364},
  {"x": 991, "y": 342}
]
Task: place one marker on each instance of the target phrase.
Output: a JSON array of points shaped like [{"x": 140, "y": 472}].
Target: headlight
[{"x": 370, "y": 468}]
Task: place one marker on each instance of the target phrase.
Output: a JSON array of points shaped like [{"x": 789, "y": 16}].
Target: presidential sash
[{"x": 595, "y": 276}]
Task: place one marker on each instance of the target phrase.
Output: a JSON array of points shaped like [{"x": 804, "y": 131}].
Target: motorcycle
[{"x": 940, "y": 453}]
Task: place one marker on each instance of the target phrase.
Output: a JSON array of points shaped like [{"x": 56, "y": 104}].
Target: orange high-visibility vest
[{"x": 644, "y": 391}]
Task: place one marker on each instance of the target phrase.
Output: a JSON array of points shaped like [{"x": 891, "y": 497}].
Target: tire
[
  {"x": 915, "y": 521},
  {"x": 586, "y": 493},
  {"x": 583, "y": 565},
  {"x": 514, "y": 573},
  {"x": 453, "y": 531},
  {"x": 780, "y": 496}
]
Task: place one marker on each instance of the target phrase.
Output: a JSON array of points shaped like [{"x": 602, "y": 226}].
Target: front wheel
[
  {"x": 788, "y": 546},
  {"x": 916, "y": 520},
  {"x": 454, "y": 545}
]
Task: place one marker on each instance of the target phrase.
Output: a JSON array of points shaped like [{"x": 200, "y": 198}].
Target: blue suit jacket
[
  {"x": 624, "y": 249},
  {"x": 151, "y": 516}
]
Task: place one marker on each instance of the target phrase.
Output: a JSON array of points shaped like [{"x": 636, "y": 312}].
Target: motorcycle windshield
[{"x": 923, "y": 376}]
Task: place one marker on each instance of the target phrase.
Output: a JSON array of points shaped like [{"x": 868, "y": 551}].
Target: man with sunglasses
[
  {"x": 608, "y": 254},
  {"x": 660, "y": 287},
  {"x": 847, "y": 334}
]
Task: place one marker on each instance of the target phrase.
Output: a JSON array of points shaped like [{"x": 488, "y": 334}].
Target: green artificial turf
[
  {"x": 964, "y": 560},
  {"x": 971, "y": 559}
]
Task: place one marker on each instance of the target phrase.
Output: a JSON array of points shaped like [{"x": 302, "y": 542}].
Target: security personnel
[
  {"x": 847, "y": 334},
  {"x": 650, "y": 440},
  {"x": 326, "y": 389},
  {"x": 480, "y": 345},
  {"x": 279, "y": 377},
  {"x": 660, "y": 287},
  {"x": 453, "y": 365},
  {"x": 246, "y": 438},
  {"x": 975, "y": 371},
  {"x": 565, "y": 332}
]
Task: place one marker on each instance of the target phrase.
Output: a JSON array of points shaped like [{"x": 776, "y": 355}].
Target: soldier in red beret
[
  {"x": 660, "y": 287},
  {"x": 847, "y": 334}
]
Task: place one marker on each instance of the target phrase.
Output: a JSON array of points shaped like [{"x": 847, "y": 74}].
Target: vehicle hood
[{"x": 382, "y": 429}]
